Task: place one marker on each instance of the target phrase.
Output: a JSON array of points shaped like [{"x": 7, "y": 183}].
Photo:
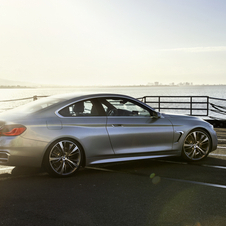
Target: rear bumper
[{"x": 17, "y": 151}]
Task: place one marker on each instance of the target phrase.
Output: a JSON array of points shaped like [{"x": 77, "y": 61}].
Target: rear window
[{"x": 37, "y": 105}]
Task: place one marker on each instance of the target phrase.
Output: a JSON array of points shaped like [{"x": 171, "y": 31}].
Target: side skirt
[{"x": 123, "y": 158}]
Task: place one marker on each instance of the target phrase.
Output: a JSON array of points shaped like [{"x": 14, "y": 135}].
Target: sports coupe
[{"x": 64, "y": 132}]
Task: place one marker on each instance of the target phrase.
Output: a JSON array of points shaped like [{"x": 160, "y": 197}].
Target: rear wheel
[
  {"x": 196, "y": 145},
  {"x": 63, "y": 158}
]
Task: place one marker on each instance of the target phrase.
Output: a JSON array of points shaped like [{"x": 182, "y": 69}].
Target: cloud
[{"x": 199, "y": 49}]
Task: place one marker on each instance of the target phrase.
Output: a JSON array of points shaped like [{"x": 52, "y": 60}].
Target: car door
[
  {"x": 132, "y": 129},
  {"x": 85, "y": 121}
]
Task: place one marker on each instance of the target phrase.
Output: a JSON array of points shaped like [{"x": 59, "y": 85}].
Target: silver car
[{"x": 64, "y": 132}]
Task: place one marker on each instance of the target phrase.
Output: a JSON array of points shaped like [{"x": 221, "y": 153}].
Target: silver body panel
[
  {"x": 139, "y": 135},
  {"x": 104, "y": 138}
]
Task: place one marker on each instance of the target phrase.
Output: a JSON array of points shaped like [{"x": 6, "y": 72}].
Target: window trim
[
  {"x": 151, "y": 112},
  {"x": 94, "y": 101}
]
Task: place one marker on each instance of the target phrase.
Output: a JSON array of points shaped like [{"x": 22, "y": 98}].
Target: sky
[{"x": 113, "y": 42}]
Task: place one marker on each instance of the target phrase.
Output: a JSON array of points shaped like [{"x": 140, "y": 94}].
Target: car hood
[{"x": 178, "y": 116}]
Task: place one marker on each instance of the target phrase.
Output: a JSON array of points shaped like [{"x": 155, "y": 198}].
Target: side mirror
[{"x": 156, "y": 115}]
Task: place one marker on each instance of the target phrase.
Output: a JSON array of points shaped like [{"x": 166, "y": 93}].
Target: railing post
[
  {"x": 159, "y": 103},
  {"x": 207, "y": 107},
  {"x": 190, "y": 105}
]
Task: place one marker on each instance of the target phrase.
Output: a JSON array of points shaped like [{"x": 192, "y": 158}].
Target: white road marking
[
  {"x": 199, "y": 183},
  {"x": 172, "y": 179},
  {"x": 218, "y": 167},
  {"x": 222, "y": 155},
  {"x": 184, "y": 163},
  {"x": 101, "y": 169}
]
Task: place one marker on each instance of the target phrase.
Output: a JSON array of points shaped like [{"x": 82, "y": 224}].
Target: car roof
[
  {"x": 78, "y": 96},
  {"x": 68, "y": 98}
]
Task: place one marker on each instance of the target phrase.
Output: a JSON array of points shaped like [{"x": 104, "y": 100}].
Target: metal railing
[
  {"x": 10, "y": 104},
  {"x": 203, "y": 106}
]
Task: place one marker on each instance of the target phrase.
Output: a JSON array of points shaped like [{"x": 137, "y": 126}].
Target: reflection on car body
[{"x": 64, "y": 132}]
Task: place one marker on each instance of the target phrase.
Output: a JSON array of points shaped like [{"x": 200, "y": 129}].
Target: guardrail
[
  {"x": 192, "y": 105},
  {"x": 202, "y": 106},
  {"x": 9, "y": 104}
]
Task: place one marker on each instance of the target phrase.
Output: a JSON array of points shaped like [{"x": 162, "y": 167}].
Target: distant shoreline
[
  {"x": 161, "y": 85},
  {"x": 16, "y": 87}
]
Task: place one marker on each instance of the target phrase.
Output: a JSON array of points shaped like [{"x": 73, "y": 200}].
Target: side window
[
  {"x": 123, "y": 107},
  {"x": 82, "y": 108}
]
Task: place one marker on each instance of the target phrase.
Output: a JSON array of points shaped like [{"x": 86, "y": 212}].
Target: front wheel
[
  {"x": 63, "y": 158},
  {"x": 196, "y": 145}
]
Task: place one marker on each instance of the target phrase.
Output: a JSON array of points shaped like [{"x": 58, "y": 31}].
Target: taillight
[{"x": 12, "y": 130}]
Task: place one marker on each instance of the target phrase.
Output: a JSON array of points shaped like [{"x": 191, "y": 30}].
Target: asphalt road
[{"x": 164, "y": 192}]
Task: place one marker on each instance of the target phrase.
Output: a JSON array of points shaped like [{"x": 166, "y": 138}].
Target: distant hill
[{"x": 5, "y": 82}]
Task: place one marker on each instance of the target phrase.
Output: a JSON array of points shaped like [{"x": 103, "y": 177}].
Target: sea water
[
  {"x": 135, "y": 91},
  {"x": 6, "y": 95}
]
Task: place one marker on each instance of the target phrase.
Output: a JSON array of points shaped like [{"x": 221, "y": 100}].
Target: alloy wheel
[
  {"x": 196, "y": 145},
  {"x": 64, "y": 158}
]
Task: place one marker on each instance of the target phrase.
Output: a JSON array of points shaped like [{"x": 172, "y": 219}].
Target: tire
[
  {"x": 196, "y": 145},
  {"x": 63, "y": 158}
]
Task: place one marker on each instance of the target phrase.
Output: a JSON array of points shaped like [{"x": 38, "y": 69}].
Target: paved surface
[{"x": 165, "y": 191}]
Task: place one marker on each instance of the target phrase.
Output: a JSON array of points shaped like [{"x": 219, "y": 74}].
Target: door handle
[{"x": 117, "y": 125}]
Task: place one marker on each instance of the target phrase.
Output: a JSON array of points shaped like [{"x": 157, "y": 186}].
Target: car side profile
[{"x": 64, "y": 132}]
